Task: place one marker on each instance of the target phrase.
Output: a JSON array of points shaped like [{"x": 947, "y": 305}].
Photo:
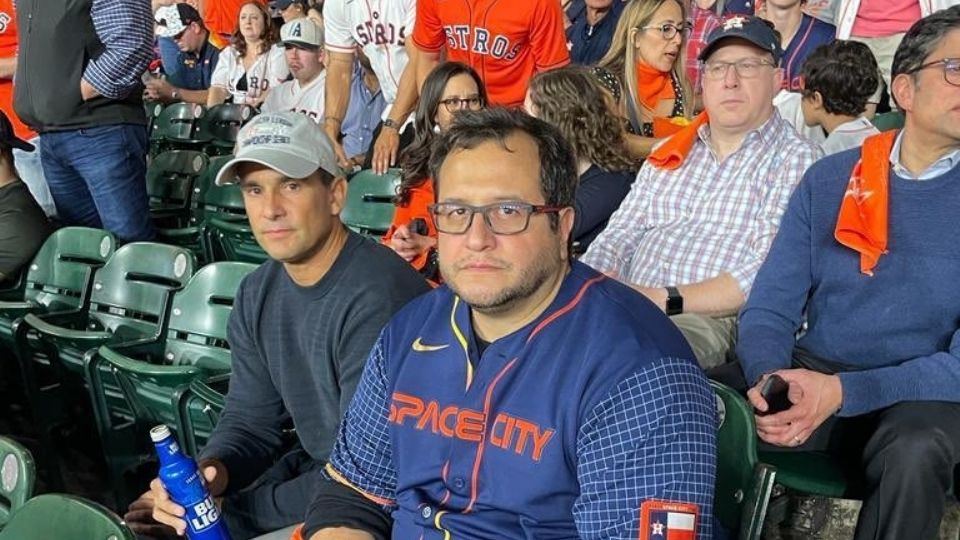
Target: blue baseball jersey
[
  {"x": 561, "y": 429},
  {"x": 811, "y": 34}
]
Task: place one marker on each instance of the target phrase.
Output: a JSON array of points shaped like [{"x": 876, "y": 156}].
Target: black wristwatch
[
  {"x": 674, "y": 301},
  {"x": 391, "y": 123}
]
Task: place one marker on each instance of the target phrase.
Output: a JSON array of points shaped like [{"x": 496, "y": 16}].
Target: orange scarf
[
  {"x": 862, "y": 224},
  {"x": 672, "y": 152},
  {"x": 653, "y": 85}
]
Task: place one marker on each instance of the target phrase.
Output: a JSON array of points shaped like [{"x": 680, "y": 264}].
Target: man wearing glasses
[
  {"x": 700, "y": 217},
  {"x": 530, "y": 396},
  {"x": 189, "y": 71},
  {"x": 867, "y": 263}
]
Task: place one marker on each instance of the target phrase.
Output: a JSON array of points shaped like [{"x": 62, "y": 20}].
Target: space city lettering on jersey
[
  {"x": 380, "y": 33},
  {"x": 479, "y": 40},
  {"x": 509, "y": 432}
]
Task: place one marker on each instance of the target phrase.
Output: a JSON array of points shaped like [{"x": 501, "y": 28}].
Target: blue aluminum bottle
[{"x": 181, "y": 478}]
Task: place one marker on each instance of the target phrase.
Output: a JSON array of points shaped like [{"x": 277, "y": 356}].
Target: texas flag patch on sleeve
[{"x": 666, "y": 520}]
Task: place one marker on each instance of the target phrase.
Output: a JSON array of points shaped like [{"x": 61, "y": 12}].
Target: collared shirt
[
  {"x": 126, "y": 29},
  {"x": 194, "y": 70},
  {"x": 588, "y": 43},
  {"x": 848, "y": 135},
  {"x": 363, "y": 115},
  {"x": 709, "y": 216},
  {"x": 946, "y": 163},
  {"x": 703, "y": 22}
]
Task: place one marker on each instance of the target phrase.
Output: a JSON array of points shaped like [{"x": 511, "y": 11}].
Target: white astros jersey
[
  {"x": 307, "y": 100},
  {"x": 380, "y": 28},
  {"x": 268, "y": 71}
]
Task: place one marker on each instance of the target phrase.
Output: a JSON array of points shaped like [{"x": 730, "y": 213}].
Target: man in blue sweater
[
  {"x": 301, "y": 328},
  {"x": 866, "y": 266}
]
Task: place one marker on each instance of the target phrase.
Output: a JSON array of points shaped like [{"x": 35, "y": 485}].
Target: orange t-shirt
[
  {"x": 505, "y": 42},
  {"x": 222, "y": 16},
  {"x": 8, "y": 49},
  {"x": 416, "y": 207}
]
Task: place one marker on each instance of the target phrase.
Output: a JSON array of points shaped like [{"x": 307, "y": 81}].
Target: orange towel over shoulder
[
  {"x": 672, "y": 152},
  {"x": 862, "y": 224}
]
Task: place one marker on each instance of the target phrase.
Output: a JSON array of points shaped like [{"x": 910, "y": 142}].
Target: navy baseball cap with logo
[
  {"x": 9, "y": 138},
  {"x": 753, "y": 29},
  {"x": 284, "y": 4}
]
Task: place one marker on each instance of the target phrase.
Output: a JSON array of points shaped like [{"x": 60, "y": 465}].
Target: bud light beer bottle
[{"x": 181, "y": 478}]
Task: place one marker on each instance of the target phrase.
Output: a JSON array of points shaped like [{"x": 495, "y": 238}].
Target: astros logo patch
[{"x": 667, "y": 520}]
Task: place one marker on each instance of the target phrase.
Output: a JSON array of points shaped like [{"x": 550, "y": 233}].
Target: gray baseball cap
[{"x": 288, "y": 142}]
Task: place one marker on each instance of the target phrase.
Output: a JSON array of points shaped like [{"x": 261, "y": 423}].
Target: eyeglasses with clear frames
[
  {"x": 747, "y": 68},
  {"x": 669, "y": 30},
  {"x": 503, "y": 218},
  {"x": 455, "y": 104},
  {"x": 951, "y": 69}
]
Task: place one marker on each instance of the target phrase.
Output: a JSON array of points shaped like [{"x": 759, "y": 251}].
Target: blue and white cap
[{"x": 288, "y": 142}]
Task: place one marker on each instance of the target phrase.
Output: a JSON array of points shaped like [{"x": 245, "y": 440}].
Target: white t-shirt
[
  {"x": 268, "y": 71},
  {"x": 788, "y": 104},
  {"x": 849, "y": 135},
  {"x": 290, "y": 96},
  {"x": 380, "y": 28}
]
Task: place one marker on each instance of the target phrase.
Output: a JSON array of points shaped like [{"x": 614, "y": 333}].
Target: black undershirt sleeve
[{"x": 336, "y": 505}]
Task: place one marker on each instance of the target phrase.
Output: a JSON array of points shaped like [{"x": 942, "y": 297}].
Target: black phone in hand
[{"x": 774, "y": 392}]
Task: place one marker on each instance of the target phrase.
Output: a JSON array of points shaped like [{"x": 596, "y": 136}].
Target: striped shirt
[
  {"x": 126, "y": 29},
  {"x": 708, "y": 217}
]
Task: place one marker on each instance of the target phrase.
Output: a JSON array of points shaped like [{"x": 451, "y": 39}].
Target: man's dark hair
[
  {"x": 558, "y": 166},
  {"x": 845, "y": 73},
  {"x": 922, "y": 38}
]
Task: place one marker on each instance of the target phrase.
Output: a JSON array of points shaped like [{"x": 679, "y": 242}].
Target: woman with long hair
[
  {"x": 573, "y": 100},
  {"x": 251, "y": 65},
  {"x": 450, "y": 88},
  {"x": 647, "y": 53}
]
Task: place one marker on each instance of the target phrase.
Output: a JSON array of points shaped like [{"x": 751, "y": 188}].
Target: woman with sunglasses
[
  {"x": 450, "y": 88},
  {"x": 648, "y": 54}
]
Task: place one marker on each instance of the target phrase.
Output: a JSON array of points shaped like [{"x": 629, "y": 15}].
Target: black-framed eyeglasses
[
  {"x": 951, "y": 69},
  {"x": 747, "y": 68},
  {"x": 669, "y": 30},
  {"x": 503, "y": 218},
  {"x": 455, "y": 104}
]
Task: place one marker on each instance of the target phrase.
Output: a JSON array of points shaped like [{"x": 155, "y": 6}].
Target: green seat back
[
  {"x": 235, "y": 240},
  {"x": 888, "y": 120},
  {"x": 370, "y": 205},
  {"x": 221, "y": 123},
  {"x": 197, "y": 334},
  {"x": 131, "y": 292},
  {"x": 218, "y": 200},
  {"x": 171, "y": 177},
  {"x": 178, "y": 123},
  {"x": 814, "y": 473},
  {"x": 60, "y": 275},
  {"x": 50, "y": 516},
  {"x": 199, "y": 406},
  {"x": 17, "y": 477}
]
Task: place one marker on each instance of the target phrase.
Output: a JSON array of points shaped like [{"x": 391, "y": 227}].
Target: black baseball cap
[
  {"x": 172, "y": 20},
  {"x": 284, "y": 4},
  {"x": 9, "y": 138},
  {"x": 753, "y": 29}
]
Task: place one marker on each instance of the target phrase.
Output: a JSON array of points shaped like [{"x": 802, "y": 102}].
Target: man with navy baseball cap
[{"x": 301, "y": 328}]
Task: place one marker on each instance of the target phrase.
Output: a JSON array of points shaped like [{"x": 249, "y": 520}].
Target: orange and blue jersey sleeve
[
  {"x": 362, "y": 457},
  {"x": 548, "y": 40},
  {"x": 652, "y": 438},
  {"x": 428, "y": 29}
]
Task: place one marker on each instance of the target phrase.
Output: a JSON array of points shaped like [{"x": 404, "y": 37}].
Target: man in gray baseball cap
[{"x": 300, "y": 331}]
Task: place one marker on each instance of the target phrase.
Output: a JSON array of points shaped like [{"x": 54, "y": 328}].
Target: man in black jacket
[{"x": 78, "y": 84}]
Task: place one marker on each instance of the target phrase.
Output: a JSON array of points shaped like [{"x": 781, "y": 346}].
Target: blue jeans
[
  {"x": 30, "y": 171},
  {"x": 97, "y": 177}
]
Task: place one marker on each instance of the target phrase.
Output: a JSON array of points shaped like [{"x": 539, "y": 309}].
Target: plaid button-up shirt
[{"x": 707, "y": 217}]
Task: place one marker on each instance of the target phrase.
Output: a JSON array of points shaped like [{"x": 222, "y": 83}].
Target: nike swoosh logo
[{"x": 420, "y": 347}]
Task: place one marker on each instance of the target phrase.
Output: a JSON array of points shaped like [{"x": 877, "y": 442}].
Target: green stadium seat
[
  {"x": 17, "y": 478},
  {"x": 60, "y": 276},
  {"x": 744, "y": 482},
  {"x": 177, "y": 126},
  {"x": 888, "y": 121},
  {"x": 150, "y": 374},
  {"x": 220, "y": 125},
  {"x": 56, "y": 516},
  {"x": 370, "y": 205},
  {"x": 129, "y": 303},
  {"x": 171, "y": 177},
  {"x": 199, "y": 406}
]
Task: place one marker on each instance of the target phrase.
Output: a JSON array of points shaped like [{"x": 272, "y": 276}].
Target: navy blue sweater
[{"x": 897, "y": 330}]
